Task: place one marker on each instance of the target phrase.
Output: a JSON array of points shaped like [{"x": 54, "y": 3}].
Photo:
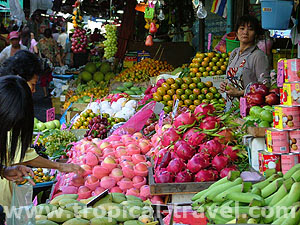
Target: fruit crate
[{"x": 175, "y": 188}]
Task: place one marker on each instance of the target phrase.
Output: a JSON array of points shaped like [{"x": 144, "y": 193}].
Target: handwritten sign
[
  {"x": 161, "y": 118},
  {"x": 280, "y": 73},
  {"x": 50, "y": 114},
  {"x": 149, "y": 13},
  {"x": 209, "y": 42},
  {"x": 243, "y": 107}
]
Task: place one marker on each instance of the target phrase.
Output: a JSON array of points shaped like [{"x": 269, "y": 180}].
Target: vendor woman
[{"x": 247, "y": 64}]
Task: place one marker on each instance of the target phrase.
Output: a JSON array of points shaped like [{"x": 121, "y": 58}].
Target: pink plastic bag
[{"x": 137, "y": 122}]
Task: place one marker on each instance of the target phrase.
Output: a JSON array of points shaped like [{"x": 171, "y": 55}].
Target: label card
[
  {"x": 161, "y": 118},
  {"x": 243, "y": 107},
  {"x": 50, "y": 114},
  {"x": 280, "y": 73},
  {"x": 175, "y": 108},
  {"x": 209, "y": 42}
]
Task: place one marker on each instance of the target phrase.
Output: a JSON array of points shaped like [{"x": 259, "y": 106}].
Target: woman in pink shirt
[{"x": 27, "y": 39}]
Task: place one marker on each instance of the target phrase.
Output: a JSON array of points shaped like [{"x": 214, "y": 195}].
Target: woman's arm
[
  {"x": 35, "y": 50},
  {"x": 40, "y": 162}
]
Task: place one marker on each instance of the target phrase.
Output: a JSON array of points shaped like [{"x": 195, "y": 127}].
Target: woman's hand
[
  {"x": 223, "y": 86},
  {"x": 17, "y": 173},
  {"x": 234, "y": 92},
  {"x": 70, "y": 168}
]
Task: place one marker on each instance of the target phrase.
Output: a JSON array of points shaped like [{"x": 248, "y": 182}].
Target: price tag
[
  {"x": 175, "y": 108},
  {"x": 243, "y": 107},
  {"x": 63, "y": 126},
  {"x": 280, "y": 73},
  {"x": 92, "y": 97},
  {"x": 50, "y": 114},
  {"x": 161, "y": 118},
  {"x": 196, "y": 3},
  {"x": 149, "y": 13},
  {"x": 209, "y": 42},
  {"x": 37, "y": 138}
]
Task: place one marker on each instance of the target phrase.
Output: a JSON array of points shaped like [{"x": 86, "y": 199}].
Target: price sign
[
  {"x": 209, "y": 42},
  {"x": 243, "y": 107},
  {"x": 280, "y": 73},
  {"x": 161, "y": 118},
  {"x": 149, "y": 13},
  {"x": 50, "y": 114}
]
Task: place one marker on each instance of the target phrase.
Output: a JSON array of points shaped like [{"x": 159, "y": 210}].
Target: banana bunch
[{"x": 276, "y": 200}]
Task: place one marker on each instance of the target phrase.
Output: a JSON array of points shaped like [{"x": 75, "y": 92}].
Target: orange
[
  {"x": 208, "y": 84},
  {"x": 215, "y": 68},
  {"x": 219, "y": 72},
  {"x": 188, "y": 102},
  {"x": 205, "y": 74},
  {"x": 212, "y": 73},
  {"x": 174, "y": 86},
  {"x": 187, "y": 80},
  {"x": 206, "y": 59},
  {"x": 171, "y": 92},
  {"x": 204, "y": 64},
  {"x": 175, "y": 97},
  {"x": 179, "y": 81},
  {"x": 201, "y": 69},
  {"x": 194, "y": 70},
  {"x": 170, "y": 81},
  {"x": 161, "y": 91},
  {"x": 179, "y": 92},
  {"x": 157, "y": 97},
  {"x": 192, "y": 86},
  {"x": 188, "y": 92},
  {"x": 184, "y": 97},
  {"x": 192, "y": 107},
  {"x": 167, "y": 98},
  {"x": 165, "y": 86},
  {"x": 210, "y": 54},
  {"x": 184, "y": 86},
  {"x": 196, "y": 91},
  {"x": 211, "y": 64},
  {"x": 223, "y": 68},
  {"x": 198, "y": 74},
  {"x": 170, "y": 103},
  {"x": 180, "y": 103},
  {"x": 197, "y": 102},
  {"x": 208, "y": 68}
]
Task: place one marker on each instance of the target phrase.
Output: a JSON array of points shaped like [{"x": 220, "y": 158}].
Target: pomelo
[
  {"x": 98, "y": 76},
  {"x": 90, "y": 67},
  {"x": 105, "y": 68},
  {"x": 86, "y": 76}
]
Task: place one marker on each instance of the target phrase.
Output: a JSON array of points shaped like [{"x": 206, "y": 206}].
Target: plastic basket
[
  {"x": 275, "y": 14},
  {"x": 231, "y": 44}
]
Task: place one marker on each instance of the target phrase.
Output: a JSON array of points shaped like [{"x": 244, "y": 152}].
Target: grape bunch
[
  {"x": 98, "y": 128},
  {"x": 56, "y": 142},
  {"x": 110, "y": 43}
]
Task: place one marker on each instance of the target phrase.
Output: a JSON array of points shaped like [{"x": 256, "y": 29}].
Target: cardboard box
[{"x": 56, "y": 103}]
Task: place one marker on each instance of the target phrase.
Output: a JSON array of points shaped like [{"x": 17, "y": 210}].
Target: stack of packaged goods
[{"x": 283, "y": 140}]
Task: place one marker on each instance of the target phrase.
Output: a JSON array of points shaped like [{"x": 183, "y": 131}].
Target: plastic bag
[
  {"x": 137, "y": 122},
  {"x": 22, "y": 206}
]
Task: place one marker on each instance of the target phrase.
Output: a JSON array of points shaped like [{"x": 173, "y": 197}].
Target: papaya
[
  {"x": 45, "y": 222},
  {"x": 133, "y": 222},
  {"x": 64, "y": 196},
  {"x": 90, "y": 213},
  {"x": 108, "y": 206},
  {"x": 76, "y": 221},
  {"x": 40, "y": 217},
  {"x": 44, "y": 209},
  {"x": 133, "y": 198},
  {"x": 103, "y": 221},
  {"x": 64, "y": 202},
  {"x": 130, "y": 92},
  {"x": 118, "y": 197},
  {"x": 60, "y": 215},
  {"x": 133, "y": 203},
  {"x": 106, "y": 199},
  {"x": 120, "y": 215},
  {"x": 75, "y": 207}
]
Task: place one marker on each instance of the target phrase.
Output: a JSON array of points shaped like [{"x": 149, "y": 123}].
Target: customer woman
[
  {"x": 247, "y": 64},
  {"x": 49, "y": 49},
  {"x": 30, "y": 158},
  {"x": 27, "y": 41}
]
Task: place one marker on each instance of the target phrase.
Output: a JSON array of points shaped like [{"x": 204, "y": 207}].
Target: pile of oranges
[
  {"x": 189, "y": 91},
  {"x": 97, "y": 92},
  {"x": 143, "y": 70},
  {"x": 209, "y": 64}
]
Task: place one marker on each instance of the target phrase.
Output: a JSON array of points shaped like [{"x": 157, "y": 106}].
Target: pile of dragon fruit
[
  {"x": 117, "y": 163},
  {"x": 196, "y": 147}
]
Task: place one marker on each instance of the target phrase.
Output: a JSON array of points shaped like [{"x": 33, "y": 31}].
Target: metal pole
[
  {"x": 229, "y": 16},
  {"x": 202, "y": 33}
]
